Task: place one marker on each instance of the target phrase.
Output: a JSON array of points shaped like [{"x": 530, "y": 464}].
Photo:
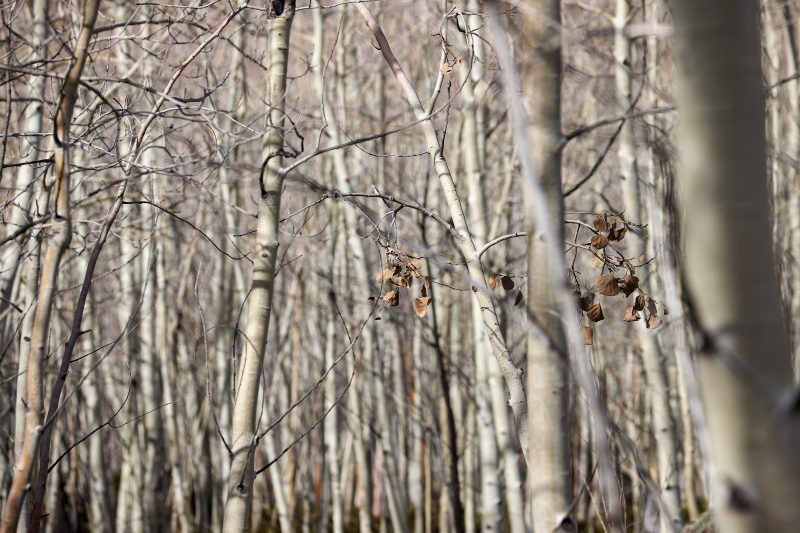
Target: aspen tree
[
  {"x": 548, "y": 384},
  {"x": 744, "y": 366},
  {"x": 57, "y": 245},
  {"x": 260, "y": 298}
]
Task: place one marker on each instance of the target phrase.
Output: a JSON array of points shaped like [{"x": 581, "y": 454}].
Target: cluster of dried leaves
[
  {"x": 400, "y": 272},
  {"x": 608, "y": 231}
]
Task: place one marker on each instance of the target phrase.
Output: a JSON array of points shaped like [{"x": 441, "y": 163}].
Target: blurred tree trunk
[
  {"x": 548, "y": 387},
  {"x": 652, "y": 359},
  {"x": 744, "y": 366}
]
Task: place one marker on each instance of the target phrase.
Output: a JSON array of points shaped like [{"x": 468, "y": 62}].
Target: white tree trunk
[
  {"x": 744, "y": 364},
  {"x": 240, "y": 484}
]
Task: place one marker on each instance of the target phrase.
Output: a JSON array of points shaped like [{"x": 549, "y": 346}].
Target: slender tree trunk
[
  {"x": 652, "y": 358},
  {"x": 240, "y": 484},
  {"x": 62, "y": 227},
  {"x": 491, "y": 511},
  {"x": 549, "y": 465},
  {"x": 744, "y": 366},
  {"x": 331, "y": 436},
  {"x": 26, "y": 175},
  {"x": 461, "y": 234},
  {"x": 101, "y": 515}
]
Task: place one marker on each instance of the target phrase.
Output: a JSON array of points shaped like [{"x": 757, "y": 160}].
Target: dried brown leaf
[
  {"x": 598, "y": 260},
  {"x": 631, "y": 315},
  {"x": 617, "y": 234},
  {"x": 595, "y": 313},
  {"x": 384, "y": 275},
  {"x": 507, "y": 283},
  {"x": 651, "y": 306},
  {"x": 628, "y": 284},
  {"x": 599, "y": 242},
  {"x": 425, "y": 287},
  {"x": 518, "y": 299},
  {"x": 393, "y": 297},
  {"x": 607, "y": 285},
  {"x": 638, "y": 304},
  {"x": 652, "y": 322},
  {"x": 421, "y": 305},
  {"x": 588, "y": 335},
  {"x": 587, "y": 300},
  {"x": 601, "y": 222},
  {"x": 493, "y": 281}
]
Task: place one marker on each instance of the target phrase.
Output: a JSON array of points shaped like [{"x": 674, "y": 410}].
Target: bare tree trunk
[
  {"x": 461, "y": 234},
  {"x": 331, "y": 435},
  {"x": 548, "y": 388},
  {"x": 491, "y": 511},
  {"x": 744, "y": 366},
  {"x": 62, "y": 225},
  {"x": 101, "y": 515},
  {"x": 652, "y": 358},
  {"x": 237, "y": 507},
  {"x": 26, "y": 176}
]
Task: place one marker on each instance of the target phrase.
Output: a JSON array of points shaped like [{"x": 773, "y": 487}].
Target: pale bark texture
[
  {"x": 461, "y": 234},
  {"x": 653, "y": 360},
  {"x": 547, "y": 373},
  {"x": 744, "y": 365},
  {"x": 57, "y": 245},
  {"x": 265, "y": 260},
  {"x": 24, "y": 187}
]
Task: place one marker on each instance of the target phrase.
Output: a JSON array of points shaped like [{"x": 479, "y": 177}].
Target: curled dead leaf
[
  {"x": 586, "y": 301},
  {"x": 607, "y": 285},
  {"x": 628, "y": 284},
  {"x": 599, "y": 242},
  {"x": 651, "y": 306},
  {"x": 595, "y": 313},
  {"x": 631, "y": 315},
  {"x": 492, "y": 281},
  {"x": 421, "y": 305},
  {"x": 425, "y": 287},
  {"x": 638, "y": 304},
  {"x": 601, "y": 222},
  {"x": 588, "y": 335},
  {"x": 652, "y": 322},
  {"x": 518, "y": 299},
  {"x": 507, "y": 283},
  {"x": 617, "y": 234},
  {"x": 384, "y": 275},
  {"x": 393, "y": 297}
]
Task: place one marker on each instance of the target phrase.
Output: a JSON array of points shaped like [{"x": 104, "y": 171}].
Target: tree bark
[
  {"x": 548, "y": 381},
  {"x": 744, "y": 366},
  {"x": 59, "y": 242},
  {"x": 241, "y": 476}
]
